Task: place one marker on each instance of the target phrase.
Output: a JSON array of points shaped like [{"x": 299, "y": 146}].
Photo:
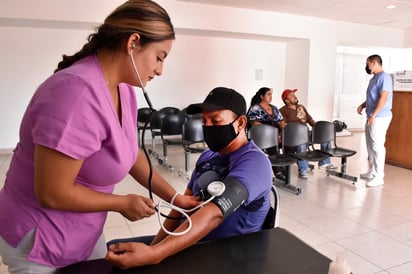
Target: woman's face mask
[{"x": 218, "y": 137}]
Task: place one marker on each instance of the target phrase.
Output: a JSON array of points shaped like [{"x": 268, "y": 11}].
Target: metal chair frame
[{"x": 324, "y": 131}]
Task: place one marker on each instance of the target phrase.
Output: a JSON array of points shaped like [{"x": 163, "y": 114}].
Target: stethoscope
[{"x": 215, "y": 188}]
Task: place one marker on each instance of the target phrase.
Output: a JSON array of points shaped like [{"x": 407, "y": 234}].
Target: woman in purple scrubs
[{"x": 78, "y": 139}]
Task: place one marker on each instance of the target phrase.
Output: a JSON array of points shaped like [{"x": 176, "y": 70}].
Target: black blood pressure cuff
[{"x": 232, "y": 198}]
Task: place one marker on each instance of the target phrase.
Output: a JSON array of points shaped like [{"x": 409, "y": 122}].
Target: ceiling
[{"x": 370, "y": 12}]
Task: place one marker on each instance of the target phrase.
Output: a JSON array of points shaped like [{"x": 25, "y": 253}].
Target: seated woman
[{"x": 261, "y": 111}]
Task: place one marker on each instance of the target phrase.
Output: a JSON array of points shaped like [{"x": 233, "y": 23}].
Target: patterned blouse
[{"x": 257, "y": 113}]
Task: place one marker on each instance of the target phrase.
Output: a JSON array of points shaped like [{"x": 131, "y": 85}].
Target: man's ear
[{"x": 242, "y": 122}]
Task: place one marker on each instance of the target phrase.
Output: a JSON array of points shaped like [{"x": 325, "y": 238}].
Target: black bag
[{"x": 339, "y": 125}]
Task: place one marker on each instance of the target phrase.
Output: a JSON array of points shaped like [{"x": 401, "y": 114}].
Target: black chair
[
  {"x": 265, "y": 137},
  {"x": 296, "y": 134},
  {"x": 324, "y": 131},
  {"x": 156, "y": 123},
  {"x": 143, "y": 119},
  {"x": 191, "y": 116},
  {"x": 155, "y": 126},
  {"x": 192, "y": 136},
  {"x": 272, "y": 218},
  {"x": 171, "y": 132}
]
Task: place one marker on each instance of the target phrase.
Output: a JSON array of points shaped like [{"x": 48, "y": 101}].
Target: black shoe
[{"x": 280, "y": 176}]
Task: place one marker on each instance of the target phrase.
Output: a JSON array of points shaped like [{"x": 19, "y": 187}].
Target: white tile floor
[{"x": 372, "y": 225}]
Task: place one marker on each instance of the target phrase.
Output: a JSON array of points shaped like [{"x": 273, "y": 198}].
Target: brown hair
[{"x": 144, "y": 17}]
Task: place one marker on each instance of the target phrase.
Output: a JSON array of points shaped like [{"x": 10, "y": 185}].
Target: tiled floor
[{"x": 373, "y": 226}]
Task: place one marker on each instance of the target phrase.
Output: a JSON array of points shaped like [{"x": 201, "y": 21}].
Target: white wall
[
  {"x": 214, "y": 46},
  {"x": 197, "y": 64},
  {"x": 28, "y": 56},
  {"x": 408, "y": 38},
  {"x": 188, "y": 75},
  {"x": 297, "y": 67}
]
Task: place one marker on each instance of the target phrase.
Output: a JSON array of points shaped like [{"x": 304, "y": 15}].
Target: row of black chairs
[
  {"x": 175, "y": 126},
  {"x": 295, "y": 134}
]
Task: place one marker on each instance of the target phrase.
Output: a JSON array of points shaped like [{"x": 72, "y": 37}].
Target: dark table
[{"x": 274, "y": 251}]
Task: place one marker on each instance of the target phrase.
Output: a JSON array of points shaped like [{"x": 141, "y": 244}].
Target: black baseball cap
[{"x": 221, "y": 98}]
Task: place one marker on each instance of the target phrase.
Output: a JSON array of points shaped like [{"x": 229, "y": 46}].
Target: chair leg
[
  {"x": 187, "y": 156},
  {"x": 343, "y": 165},
  {"x": 342, "y": 173},
  {"x": 288, "y": 174},
  {"x": 165, "y": 150},
  {"x": 153, "y": 143},
  {"x": 286, "y": 184},
  {"x": 291, "y": 188}
]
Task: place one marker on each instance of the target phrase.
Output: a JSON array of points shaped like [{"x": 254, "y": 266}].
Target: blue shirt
[
  {"x": 252, "y": 168},
  {"x": 380, "y": 82}
]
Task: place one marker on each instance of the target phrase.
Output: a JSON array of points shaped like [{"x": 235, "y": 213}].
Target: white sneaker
[
  {"x": 331, "y": 167},
  {"x": 367, "y": 175},
  {"x": 325, "y": 166},
  {"x": 303, "y": 176},
  {"x": 375, "y": 182}
]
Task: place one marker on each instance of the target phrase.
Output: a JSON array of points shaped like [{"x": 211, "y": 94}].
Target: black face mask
[
  {"x": 368, "y": 70},
  {"x": 218, "y": 137}
]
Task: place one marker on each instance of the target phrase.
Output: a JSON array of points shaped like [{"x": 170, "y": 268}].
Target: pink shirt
[{"x": 71, "y": 112}]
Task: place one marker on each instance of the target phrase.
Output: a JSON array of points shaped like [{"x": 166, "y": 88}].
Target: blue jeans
[
  {"x": 302, "y": 165},
  {"x": 326, "y": 161}
]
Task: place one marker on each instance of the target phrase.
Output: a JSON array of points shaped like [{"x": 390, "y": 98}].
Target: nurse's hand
[{"x": 136, "y": 207}]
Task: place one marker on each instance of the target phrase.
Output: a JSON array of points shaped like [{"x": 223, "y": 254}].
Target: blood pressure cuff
[
  {"x": 204, "y": 180},
  {"x": 232, "y": 198}
]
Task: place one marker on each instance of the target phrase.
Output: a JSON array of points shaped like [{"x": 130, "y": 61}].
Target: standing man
[
  {"x": 293, "y": 112},
  {"x": 378, "y": 106}
]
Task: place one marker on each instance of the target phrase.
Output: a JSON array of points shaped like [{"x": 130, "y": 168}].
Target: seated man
[
  {"x": 293, "y": 112},
  {"x": 231, "y": 159}
]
